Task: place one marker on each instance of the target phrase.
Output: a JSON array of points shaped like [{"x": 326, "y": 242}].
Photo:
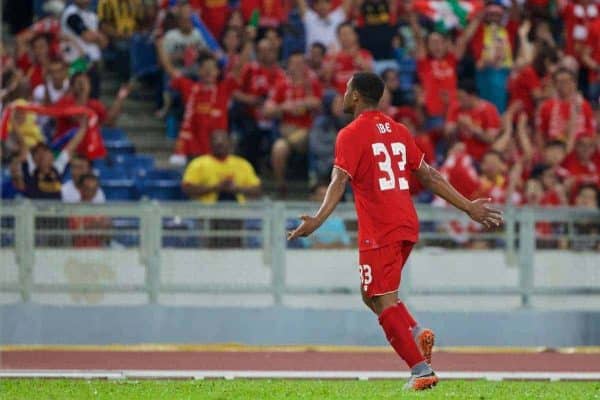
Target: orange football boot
[{"x": 421, "y": 382}]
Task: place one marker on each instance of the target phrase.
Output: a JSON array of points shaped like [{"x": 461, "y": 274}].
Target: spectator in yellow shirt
[
  {"x": 119, "y": 20},
  {"x": 220, "y": 176}
]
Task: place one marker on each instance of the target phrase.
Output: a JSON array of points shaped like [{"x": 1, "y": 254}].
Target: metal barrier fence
[{"x": 164, "y": 236}]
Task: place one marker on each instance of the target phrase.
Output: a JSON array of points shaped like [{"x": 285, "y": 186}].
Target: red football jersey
[
  {"x": 485, "y": 115},
  {"x": 287, "y": 90},
  {"x": 438, "y": 79},
  {"x": 378, "y": 154},
  {"x": 344, "y": 65},
  {"x": 553, "y": 117}
]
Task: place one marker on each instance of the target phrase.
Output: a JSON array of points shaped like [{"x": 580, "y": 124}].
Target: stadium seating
[
  {"x": 119, "y": 146},
  {"x": 113, "y": 134},
  {"x": 161, "y": 185}
]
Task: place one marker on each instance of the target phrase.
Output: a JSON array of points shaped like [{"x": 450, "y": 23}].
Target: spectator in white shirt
[
  {"x": 56, "y": 84},
  {"x": 321, "y": 23},
  {"x": 71, "y": 191}
]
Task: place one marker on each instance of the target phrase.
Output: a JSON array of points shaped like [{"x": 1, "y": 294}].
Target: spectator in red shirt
[
  {"x": 215, "y": 14},
  {"x": 271, "y": 12},
  {"x": 294, "y": 101},
  {"x": 459, "y": 170},
  {"x": 580, "y": 163},
  {"x": 79, "y": 94},
  {"x": 256, "y": 80},
  {"x": 437, "y": 60},
  {"x": 350, "y": 59},
  {"x": 591, "y": 59},
  {"x": 33, "y": 64},
  {"x": 316, "y": 60},
  {"x": 206, "y": 105},
  {"x": 567, "y": 115},
  {"x": 577, "y": 16},
  {"x": 472, "y": 120}
]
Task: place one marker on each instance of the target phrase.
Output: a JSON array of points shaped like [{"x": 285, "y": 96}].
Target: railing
[{"x": 163, "y": 235}]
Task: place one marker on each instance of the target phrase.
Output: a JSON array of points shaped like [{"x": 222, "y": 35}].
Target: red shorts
[{"x": 380, "y": 269}]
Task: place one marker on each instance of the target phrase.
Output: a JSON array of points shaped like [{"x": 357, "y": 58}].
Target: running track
[{"x": 268, "y": 361}]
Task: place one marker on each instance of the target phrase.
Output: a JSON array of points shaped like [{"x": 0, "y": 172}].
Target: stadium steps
[{"x": 137, "y": 119}]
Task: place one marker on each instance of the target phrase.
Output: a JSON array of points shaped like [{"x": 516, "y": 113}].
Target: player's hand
[
  {"x": 309, "y": 225},
  {"x": 480, "y": 211}
]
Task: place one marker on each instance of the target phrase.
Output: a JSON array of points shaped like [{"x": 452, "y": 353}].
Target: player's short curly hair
[{"x": 369, "y": 85}]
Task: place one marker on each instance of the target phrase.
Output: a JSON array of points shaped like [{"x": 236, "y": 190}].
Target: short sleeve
[
  {"x": 414, "y": 155},
  {"x": 250, "y": 178},
  {"x": 193, "y": 173},
  {"x": 347, "y": 153},
  {"x": 493, "y": 118}
]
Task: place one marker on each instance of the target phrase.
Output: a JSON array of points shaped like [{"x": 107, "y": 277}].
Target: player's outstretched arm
[
  {"x": 335, "y": 191},
  {"x": 479, "y": 209}
]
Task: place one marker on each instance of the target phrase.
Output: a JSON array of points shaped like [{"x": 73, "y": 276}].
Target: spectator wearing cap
[
  {"x": 294, "y": 101},
  {"x": 351, "y": 58},
  {"x": 80, "y": 187},
  {"x": 321, "y": 22},
  {"x": 473, "y": 121},
  {"x": 119, "y": 20},
  {"x": 220, "y": 176},
  {"x": 81, "y": 26},
  {"x": 40, "y": 175},
  {"x": 565, "y": 116},
  {"x": 437, "y": 60}
]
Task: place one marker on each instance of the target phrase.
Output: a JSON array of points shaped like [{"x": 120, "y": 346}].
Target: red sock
[
  {"x": 398, "y": 334},
  {"x": 406, "y": 315}
]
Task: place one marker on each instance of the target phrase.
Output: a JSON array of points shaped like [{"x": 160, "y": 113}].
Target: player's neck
[{"x": 361, "y": 108}]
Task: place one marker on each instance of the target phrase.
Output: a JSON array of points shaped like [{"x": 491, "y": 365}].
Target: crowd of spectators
[{"x": 501, "y": 95}]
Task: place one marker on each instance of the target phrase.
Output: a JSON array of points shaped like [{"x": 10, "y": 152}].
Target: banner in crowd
[
  {"x": 448, "y": 14},
  {"x": 92, "y": 145}
]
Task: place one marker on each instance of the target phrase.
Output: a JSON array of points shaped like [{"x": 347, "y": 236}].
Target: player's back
[{"x": 378, "y": 154}]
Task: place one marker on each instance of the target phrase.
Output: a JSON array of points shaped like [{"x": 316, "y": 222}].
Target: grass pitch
[{"x": 63, "y": 389}]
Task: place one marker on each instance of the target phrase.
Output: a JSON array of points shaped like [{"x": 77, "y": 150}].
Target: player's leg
[
  {"x": 424, "y": 337},
  {"x": 380, "y": 277},
  {"x": 368, "y": 301}
]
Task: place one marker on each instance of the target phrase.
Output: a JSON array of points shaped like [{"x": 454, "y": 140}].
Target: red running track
[{"x": 290, "y": 361}]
